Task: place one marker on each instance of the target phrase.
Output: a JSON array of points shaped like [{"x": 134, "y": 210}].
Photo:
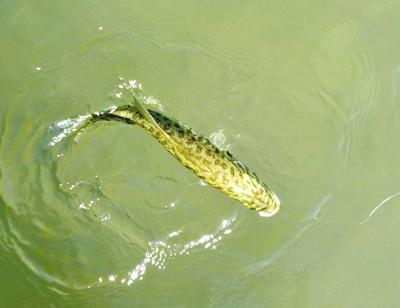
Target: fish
[{"x": 217, "y": 167}]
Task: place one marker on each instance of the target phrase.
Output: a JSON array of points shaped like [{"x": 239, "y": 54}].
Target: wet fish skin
[{"x": 218, "y": 168}]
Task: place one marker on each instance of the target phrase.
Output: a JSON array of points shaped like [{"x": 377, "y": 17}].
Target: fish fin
[{"x": 145, "y": 113}]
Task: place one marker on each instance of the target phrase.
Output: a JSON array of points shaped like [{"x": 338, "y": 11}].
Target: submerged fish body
[{"x": 218, "y": 168}]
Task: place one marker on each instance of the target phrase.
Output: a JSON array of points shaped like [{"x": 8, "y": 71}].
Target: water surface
[{"x": 304, "y": 92}]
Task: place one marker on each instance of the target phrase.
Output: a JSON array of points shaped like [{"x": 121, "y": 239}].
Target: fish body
[{"x": 218, "y": 168}]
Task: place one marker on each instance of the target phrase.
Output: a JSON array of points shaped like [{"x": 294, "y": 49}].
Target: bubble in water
[
  {"x": 218, "y": 138},
  {"x": 105, "y": 217}
]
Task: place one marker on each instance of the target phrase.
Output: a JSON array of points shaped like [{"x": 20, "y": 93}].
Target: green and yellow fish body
[{"x": 216, "y": 167}]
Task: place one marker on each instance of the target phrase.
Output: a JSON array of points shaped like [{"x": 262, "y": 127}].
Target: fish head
[{"x": 270, "y": 205}]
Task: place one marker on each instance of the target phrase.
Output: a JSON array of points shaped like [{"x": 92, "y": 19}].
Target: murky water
[{"x": 304, "y": 92}]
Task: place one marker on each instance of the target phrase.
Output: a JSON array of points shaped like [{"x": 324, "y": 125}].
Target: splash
[
  {"x": 126, "y": 89},
  {"x": 66, "y": 128},
  {"x": 161, "y": 251}
]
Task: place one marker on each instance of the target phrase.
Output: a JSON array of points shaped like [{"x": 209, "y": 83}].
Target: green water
[{"x": 304, "y": 92}]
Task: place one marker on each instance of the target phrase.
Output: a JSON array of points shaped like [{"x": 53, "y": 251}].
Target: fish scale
[{"x": 216, "y": 167}]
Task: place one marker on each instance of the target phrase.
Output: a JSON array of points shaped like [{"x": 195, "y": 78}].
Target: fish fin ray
[{"x": 145, "y": 113}]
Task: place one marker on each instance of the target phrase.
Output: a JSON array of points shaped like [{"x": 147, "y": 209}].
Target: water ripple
[
  {"x": 384, "y": 202},
  {"x": 160, "y": 252},
  {"x": 350, "y": 84}
]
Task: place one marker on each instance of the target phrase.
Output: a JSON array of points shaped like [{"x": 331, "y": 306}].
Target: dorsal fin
[{"x": 145, "y": 113}]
